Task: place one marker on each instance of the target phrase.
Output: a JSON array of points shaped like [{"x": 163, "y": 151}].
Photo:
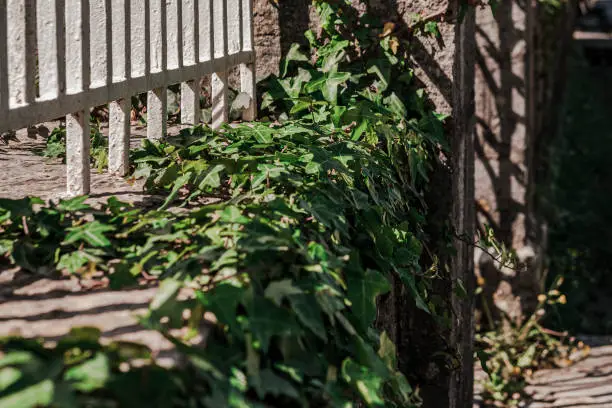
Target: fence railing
[{"x": 63, "y": 57}]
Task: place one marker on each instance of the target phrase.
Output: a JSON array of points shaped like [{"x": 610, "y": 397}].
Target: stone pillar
[
  {"x": 463, "y": 217},
  {"x": 439, "y": 361},
  {"x": 442, "y": 360}
]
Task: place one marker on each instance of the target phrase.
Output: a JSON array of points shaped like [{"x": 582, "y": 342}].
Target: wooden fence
[{"x": 62, "y": 57}]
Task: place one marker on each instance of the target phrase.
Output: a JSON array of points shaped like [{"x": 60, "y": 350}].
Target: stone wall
[{"x": 277, "y": 26}]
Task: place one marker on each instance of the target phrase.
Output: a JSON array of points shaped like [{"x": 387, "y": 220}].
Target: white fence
[{"x": 62, "y": 57}]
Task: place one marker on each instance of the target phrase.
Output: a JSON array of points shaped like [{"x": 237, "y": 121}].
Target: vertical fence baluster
[
  {"x": 77, "y": 81},
  {"x": 77, "y": 65},
  {"x": 21, "y": 58},
  {"x": 174, "y": 37},
  {"x": 120, "y": 43},
  {"x": 138, "y": 45},
  {"x": 190, "y": 90},
  {"x": 4, "y": 101},
  {"x": 247, "y": 71},
  {"x": 99, "y": 50},
  {"x": 119, "y": 110},
  {"x": 234, "y": 25},
  {"x": 48, "y": 25},
  {"x": 220, "y": 111},
  {"x": 206, "y": 32},
  {"x": 119, "y": 137},
  {"x": 157, "y": 98},
  {"x": 157, "y": 113},
  {"x": 77, "y": 152}
]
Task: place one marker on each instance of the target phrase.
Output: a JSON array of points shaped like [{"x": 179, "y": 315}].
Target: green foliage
[
  {"x": 510, "y": 354},
  {"x": 302, "y": 231},
  {"x": 359, "y": 80},
  {"x": 56, "y": 146},
  {"x": 79, "y": 372},
  {"x": 553, "y": 6}
]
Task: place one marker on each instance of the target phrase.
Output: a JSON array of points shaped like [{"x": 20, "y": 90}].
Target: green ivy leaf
[
  {"x": 167, "y": 292},
  {"x": 387, "y": 352},
  {"x": 294, "y": 54},
  {"x": 267, "y": 320},
  {"x": 366, "y": 383},
  {"x": 72, "y": 262},
  {"x": 363, "y": 291},
  {"x": 178, "y": 184},
  {"x": 269, "y": 383},
  {"x": 408, "y": 279},
  {"x": 278, "y": 290},
  {"x": 91, "y": 233},
  {"x": 308, "y": 312},
  {"x": 222, "y": 301},
  {"x": 36, "y": 395},
  {"x": 90, "y": 375},
  {"x": 431, "y": 27},
  {"x": 330, "y": 90},
  {"x": 212, "y": 178},
  {"x": 19, "y": 208},
  {"x": 73, "y": 204}
]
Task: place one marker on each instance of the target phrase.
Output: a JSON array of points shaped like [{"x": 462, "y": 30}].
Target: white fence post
[
  {"x": 78, "y": 141},
  {"x": 139, "y": 38},
  {"x": 119, "y": 110},
  {"x": 190, "y": 90},
  {"x": 220, "y": 108},
  {"x": 157, "y": 98},
  {"x": 21, "y": 61},
  {"x": 119, "y": 137},
  {"x": 48, "y": 47},
  {"x": 247, "y": 71},
  {"x": 98, "y": 18},
  {"x": 77, "y": 80}
]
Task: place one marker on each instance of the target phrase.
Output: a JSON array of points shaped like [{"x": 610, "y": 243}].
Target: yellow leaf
[
  {"x": 394, "y": 44},
  {"x": 388, "y": 29},
  {"x": 484, "y": 205}
]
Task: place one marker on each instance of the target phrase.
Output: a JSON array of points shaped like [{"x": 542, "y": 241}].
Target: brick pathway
[{"x": 586, "y": 384}]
